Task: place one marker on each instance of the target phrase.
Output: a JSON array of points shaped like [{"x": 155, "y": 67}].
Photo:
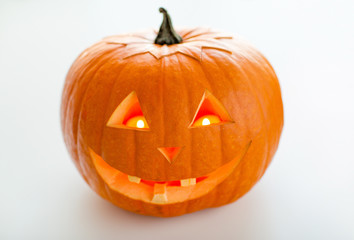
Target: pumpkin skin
[{"x": 170, "y": 82}]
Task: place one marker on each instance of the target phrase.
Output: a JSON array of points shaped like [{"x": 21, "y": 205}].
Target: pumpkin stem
[{"x": 167, "y": 34}]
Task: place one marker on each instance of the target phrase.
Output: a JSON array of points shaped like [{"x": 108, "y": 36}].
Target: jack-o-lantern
[{"x": 172, "y": 122}]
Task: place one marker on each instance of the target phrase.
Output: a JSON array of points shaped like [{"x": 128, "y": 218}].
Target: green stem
[{"x": 167, "y": 34}]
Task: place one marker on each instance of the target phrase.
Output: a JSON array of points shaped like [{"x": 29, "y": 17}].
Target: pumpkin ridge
[
  {"x": 268, "y": 69},
  {"x": 75, "y": 126},
  {"x": 257, "y": 97},
  {"x": 72, "y": 87},
  {"x": 262, "y": 110},
  {"x": 163, "y": 67},
  {"x": 196, "y": 32},
  {"x": 179, "y": 64},
  {"x": 84, "y": 95},
  {"x": 268, "y": 131},
  {"x": 88, "y": 81},
  {"x": 207, "y": 76},
  {"x": 80, "y": 111},
  {"x": 122, "y": 67},
  {"x": 193, "y": 140},
  {"x": 185, "y": 34}
]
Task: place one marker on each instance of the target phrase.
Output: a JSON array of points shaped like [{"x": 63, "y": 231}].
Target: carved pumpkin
[{"x": 169, "y": 126}]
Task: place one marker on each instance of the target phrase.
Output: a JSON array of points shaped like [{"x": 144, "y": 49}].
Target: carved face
[
  {"x": 154, "y": 127},
  {"x": 160, "y": 174}
]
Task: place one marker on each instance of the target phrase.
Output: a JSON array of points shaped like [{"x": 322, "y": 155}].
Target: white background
[{"x": 307, "y": 192}]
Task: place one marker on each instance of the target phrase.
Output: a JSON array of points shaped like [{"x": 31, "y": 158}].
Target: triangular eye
[
  {"x": 128, "y": 115},
  {"x": 210, "y": 112}
]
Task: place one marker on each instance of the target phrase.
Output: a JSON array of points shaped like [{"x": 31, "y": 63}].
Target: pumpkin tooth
[
  {"x": 188, "y": 182},
  {"x": 160, "y": 194},
  {"x": 134, "y": 179}
]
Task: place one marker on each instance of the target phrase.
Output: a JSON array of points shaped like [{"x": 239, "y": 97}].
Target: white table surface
[{"x": 307, "y": 192}]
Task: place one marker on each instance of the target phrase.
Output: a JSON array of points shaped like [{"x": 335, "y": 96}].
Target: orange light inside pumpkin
[
  {"x": 137, "y": 122},
  {"x": 207, "y": 120},
  {"x": 210, "y": 112},
  {"x": 128, "y": 115}
]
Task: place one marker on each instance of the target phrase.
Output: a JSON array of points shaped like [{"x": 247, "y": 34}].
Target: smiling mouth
[{"x": 163, "y": 192}]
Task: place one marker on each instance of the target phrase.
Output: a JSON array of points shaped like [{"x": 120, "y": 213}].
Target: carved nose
[{"x": 170, "y": 153}]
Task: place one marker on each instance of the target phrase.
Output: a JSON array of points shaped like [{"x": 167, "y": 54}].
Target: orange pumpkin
[{"x": 167, "y": 126}]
